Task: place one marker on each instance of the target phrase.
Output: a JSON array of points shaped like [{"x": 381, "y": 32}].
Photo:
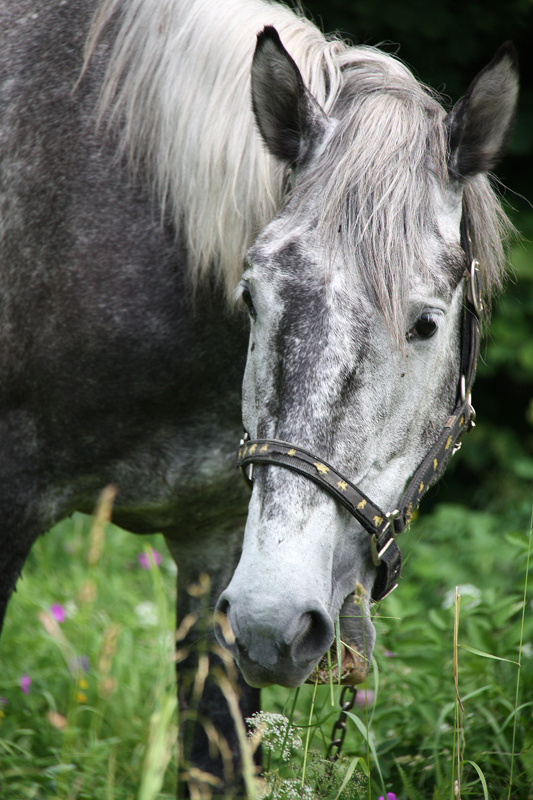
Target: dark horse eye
[
  {"x": 424, "y": 328},
  {"x": 247, "y": 300}
]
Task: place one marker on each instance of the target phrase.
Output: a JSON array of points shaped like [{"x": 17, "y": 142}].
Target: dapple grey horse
[{"x": 138, "y": 171}]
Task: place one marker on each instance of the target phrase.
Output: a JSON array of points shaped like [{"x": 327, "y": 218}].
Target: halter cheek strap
[{"x": 384, "y": 527}]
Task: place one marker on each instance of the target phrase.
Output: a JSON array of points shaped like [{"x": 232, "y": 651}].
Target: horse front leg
[
  {"x": 14, "y": 548},
  {"x": 213, "y": 696},
  {"x": 20, "y": 491}
]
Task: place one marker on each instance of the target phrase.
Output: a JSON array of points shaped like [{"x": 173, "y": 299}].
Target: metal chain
[{"x": 347, "y": 702}]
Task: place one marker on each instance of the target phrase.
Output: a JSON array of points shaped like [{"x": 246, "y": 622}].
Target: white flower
[
  {"x": 527, "y": 649},
  {"x": 170, "y": 566},
  {"x": 465, "y": 590},
  {"x": 287, "y": 788},
  {"x": 146, "y": 614},
  {"x": 274, "y": 731}
]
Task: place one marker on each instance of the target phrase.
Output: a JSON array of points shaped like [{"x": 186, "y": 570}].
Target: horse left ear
[
  {"x": 289, "y": 118},
  {"x": 480, "y": 124}
]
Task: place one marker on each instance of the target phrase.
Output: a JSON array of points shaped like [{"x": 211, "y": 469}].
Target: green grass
[
  {"x": 416, "y": 733},
  {"x": 109, "y": 731},
  {"x": 89, "y": 733}
]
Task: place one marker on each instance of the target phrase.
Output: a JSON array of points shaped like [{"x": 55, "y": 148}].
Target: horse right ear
[
  {"x": 480, "y": 124},
  {"x": 289, "y": 118}
]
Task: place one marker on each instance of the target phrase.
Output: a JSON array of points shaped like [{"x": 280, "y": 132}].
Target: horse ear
[
  {"x": 288, "y": 116},
  {"x": 480, "y": 124}
]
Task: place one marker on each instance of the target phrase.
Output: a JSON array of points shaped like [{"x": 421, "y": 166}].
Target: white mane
[
  {"x": 178, "y": 82},
  {"x": 179, "y": 78}
]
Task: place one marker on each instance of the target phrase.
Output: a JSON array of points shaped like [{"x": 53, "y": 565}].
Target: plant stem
[
  {"x": 308, "y": 736},
  {"x": 520, "y": 656}
]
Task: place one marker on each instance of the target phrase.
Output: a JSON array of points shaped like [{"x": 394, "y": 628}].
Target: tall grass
[{"x": 98, "y": 719}]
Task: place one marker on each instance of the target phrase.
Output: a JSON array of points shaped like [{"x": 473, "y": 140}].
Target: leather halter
[{"x": 384, "y": 527}]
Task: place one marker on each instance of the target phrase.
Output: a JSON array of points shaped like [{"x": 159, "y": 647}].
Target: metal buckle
[
  {"x": 473, "y": 293},
  {"x": 471, "y": 409},
  {"x": 378, "y": 554},
  {"x": 389, "y": 592},
  {"x": 247, "y": 472}
]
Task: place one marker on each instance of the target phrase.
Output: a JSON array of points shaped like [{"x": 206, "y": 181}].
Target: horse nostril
[
  {"x": 222, "y": 606},
  {"x": 315, "y": 637},
  {"x": 224, "y": 630}
]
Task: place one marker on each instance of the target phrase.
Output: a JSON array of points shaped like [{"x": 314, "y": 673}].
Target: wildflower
[
  {"x": 527, "y": 649},
  {"x": 465, "y": 590},
  {"x": 365, "y": 698},
  {"x": 79, "y": 664},
  {"x": 390, "y": 796},
  {"x": 274, "y": 731},
  {"x": 170, "y": 566},
  {"x": 50, "y": 624},
  {"x": 25, "y": 683},
  {"x": 146, "y": 559},
  {"x": 106, "y": 686},
  {"x": 86, "y": 592},
  {"x": 4, "y": 701},
  {"x": 146, "y": 613},
  {"x": 58, "y": 612},
  {"x": 279, "y": 788},
  {"x": 389, "y": 654},
  {"x": 57, "y": 720}
]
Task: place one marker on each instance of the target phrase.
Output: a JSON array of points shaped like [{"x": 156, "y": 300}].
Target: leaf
[
  {"x": 487, "y": 655},
  {"x": 412, "y": 793},
  {"x": 436, "y": 619},
  {"x": 58, "y": 769},
  {"x": 481, "y": 778},
  {"x": 350, "y": 771},
  {"x": 523, "y": 467},
  {"x": 366, "y": 734},
  {"x": 517, "y": 539}
]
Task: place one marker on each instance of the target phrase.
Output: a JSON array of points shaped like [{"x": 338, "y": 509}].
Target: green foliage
[
  {"x": 408, "y": 733},
  {"x": 98, "y": 721}
]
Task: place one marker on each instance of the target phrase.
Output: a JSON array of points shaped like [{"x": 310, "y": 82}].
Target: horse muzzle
[{"x": 270, "y": 646}]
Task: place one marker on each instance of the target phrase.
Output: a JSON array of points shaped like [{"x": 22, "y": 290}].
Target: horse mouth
[{"x": 353, "y": 667}]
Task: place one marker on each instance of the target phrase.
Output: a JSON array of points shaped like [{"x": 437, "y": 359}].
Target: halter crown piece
[{"x": 384, "y": 527}]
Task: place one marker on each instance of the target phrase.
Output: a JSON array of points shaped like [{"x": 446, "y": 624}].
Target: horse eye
[
  {"x": 424, "y": 328},
  {"x": 247, "y": 300}
]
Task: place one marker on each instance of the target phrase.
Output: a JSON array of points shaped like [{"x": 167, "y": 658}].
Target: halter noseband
[{"x": 384, "y": 527}]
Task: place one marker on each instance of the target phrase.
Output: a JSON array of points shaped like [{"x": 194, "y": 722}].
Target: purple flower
[
  {"x": 365, "y": 698},
  {"x": 4, "y": 701},
  {"x": 25, "y": 683},
  {"x": 390, "y": 796},
  {"x": 58, "y": 612},
  {"x": 389, "y": 654},
  {"x": 79, "y": 664},
  {"x": 145, "y": 559}
]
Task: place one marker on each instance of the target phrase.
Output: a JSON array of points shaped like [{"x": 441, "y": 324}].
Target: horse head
[{"x": 355, "y": 293}]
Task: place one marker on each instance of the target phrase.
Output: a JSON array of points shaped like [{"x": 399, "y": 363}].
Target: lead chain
[{"x": 347, "y": 702}]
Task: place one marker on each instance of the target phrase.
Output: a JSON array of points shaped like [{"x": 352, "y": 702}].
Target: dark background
[{"x": 446, "y": 44}]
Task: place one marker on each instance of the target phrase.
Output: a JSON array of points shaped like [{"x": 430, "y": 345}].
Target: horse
[{"x": 195, "y": 195}]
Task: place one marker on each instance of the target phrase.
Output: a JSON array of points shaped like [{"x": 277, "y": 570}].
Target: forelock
[{"x": 377, "y": 180}]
